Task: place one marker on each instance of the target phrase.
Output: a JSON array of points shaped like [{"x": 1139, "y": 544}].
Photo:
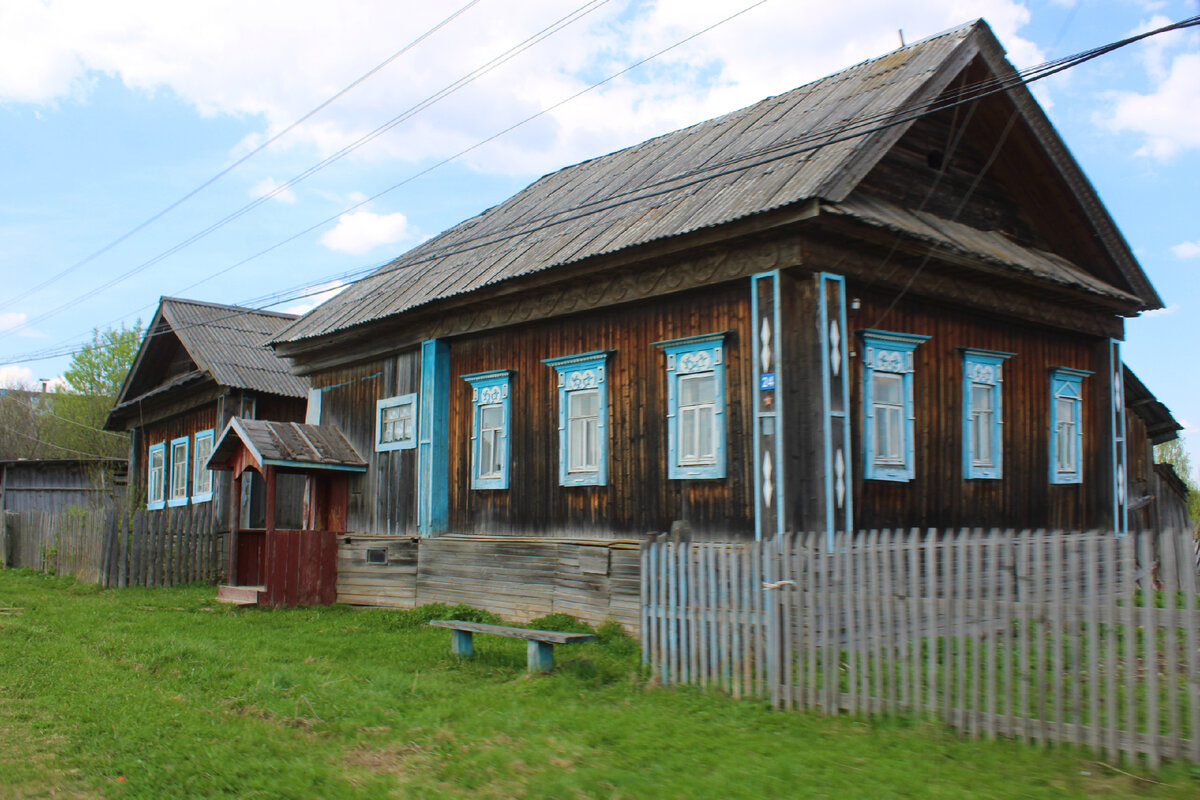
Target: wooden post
[{"x": 235, "y": 522}]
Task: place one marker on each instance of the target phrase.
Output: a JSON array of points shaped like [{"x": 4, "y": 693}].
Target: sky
[{"x": 149, "y": 148}]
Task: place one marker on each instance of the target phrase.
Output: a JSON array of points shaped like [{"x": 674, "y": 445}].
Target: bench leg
[
  {"x": 462, "y": 645},
  {"x": 541, "y": 656}
]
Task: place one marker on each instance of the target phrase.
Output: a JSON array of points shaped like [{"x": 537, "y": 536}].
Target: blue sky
[{"x": 110, "y": 112}]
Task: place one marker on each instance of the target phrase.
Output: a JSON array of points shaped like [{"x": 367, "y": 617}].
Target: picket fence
[
  {"x": 1083, "y": 638},
  {"x": 117, "y": 548}
]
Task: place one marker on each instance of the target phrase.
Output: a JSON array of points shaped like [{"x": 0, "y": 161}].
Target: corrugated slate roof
[
  {"x": 713, "y": 173},
  {"x": 230, "y": 344}
]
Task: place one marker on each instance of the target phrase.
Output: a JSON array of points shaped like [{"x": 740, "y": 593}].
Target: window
[
  {"x": 983, "y": 418},
  {"x": 179, "y": 472},
  {"x": 582, "y": 419},
  {"x": 396, "y": 423},
  {"x": 1066, "y": 424},
  {"x": 489, "y": 429},
  {"x": 201, "y": 474},
  {"x": 155, "y": 467},
  {"x": 888, "y": 429},
  {"x": 695, "y": 407}
]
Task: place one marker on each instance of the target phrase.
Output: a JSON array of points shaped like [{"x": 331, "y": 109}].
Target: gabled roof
[
  {"x": 1160, "y": 425},
  {"x": 286, "y": 444},
  {"x": 778, "y": 153},
  {"x": 226, "y": 344}
]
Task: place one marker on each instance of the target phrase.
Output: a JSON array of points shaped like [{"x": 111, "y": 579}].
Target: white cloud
[
  {"x": 1160, "y": 312},
  {"x": 12, "y": 322},
  {"x": 269, "y": 186},
  {"x": 14, "y": 377},
  {"x": 361, "y": 231},
  {"x": 277, "y": 59},
  {"x": 1187, "y": 249},
  {"x": 324, "y": 292},
  {"x": 1167, "y": 116}
]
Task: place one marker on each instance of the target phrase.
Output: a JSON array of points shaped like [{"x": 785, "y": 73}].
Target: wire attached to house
[
  {"x": 455, "y": 86},
  {"x": 322, "y": 106}
]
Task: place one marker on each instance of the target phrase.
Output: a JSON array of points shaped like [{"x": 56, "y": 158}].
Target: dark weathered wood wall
[
  {"x": 638, "y": 497},
  {"x": 56, "y": 486},
  {"x": 939, "y": 496},
  {"x": 519, "y": 579},
  {"x": 383, "y": 499}
]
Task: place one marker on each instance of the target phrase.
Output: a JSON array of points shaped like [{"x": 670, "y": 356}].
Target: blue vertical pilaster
[
  {"x": 835, "y": 398},
  {"x": 767, "y": 391},
  {"x": 1119, "y": 461},
  {"x": 433, "y": 445}
]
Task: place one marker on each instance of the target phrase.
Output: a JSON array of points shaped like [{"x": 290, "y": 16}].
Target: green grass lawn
[{"x": 163, "y": 693}]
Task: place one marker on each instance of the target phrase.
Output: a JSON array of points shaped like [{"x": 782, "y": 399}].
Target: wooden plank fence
[
  {"x": 1083, "y": 638},
  {"x": 115, "y": 548}
]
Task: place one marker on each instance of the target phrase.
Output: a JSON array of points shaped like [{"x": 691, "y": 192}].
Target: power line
[
  {"x": 44, "y": 412},
  {"x": 546, "y": 32},
  {"x": 154, "y": 218},
  {"x": 810, "y": 141}
]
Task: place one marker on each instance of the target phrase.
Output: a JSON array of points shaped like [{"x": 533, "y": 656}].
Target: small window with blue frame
[
  {"x": 582, "y": 418},
  {"x": 491, "y": 420},
  {"x": 156, "y": 467},
  {"x": 888, "y": 411},
  {"x": 201, "y": 475},
  {"x": 1066, "y": 424},
  {"x": 983, "y": 414},
  {"x": 178, "y": 496},
  {"x": 396, "y": 423},
  {"x": 695, "y": 407}
]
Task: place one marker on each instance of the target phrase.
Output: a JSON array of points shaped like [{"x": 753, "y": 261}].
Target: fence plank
[
  {"x": 1189, "y": 575},
  {"x": 1150, "y": 647},
  {"x": 1170, "y": 578}
]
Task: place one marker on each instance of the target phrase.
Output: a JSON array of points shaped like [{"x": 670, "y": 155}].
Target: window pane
[
  {"x": 583, "y": 404},
  {"x": 491, "y": 417},
  {"x": 886, "y": 387},
  {"x": 704, "y": 430},
  {"x": 487, "y": 455},
  {"x": 981, "y": 397},
  {"x": 696, "y": 389},
  {"x": 202, "y": 477}
]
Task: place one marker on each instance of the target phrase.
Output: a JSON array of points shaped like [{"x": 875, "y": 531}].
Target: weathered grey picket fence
[
  {"x": 117, "y": 548},
  {"x": 1084, "y": 638}
]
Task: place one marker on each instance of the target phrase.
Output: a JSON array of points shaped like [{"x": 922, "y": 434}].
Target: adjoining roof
[
  {"x": 228, "y": 344},
  {"x": 777, "y": 153},
  {"x": 1160, "y": 425},
  {"x": 286, "y": 444}
]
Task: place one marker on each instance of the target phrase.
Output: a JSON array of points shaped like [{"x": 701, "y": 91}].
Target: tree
[
  {"x": 93, "y": 379},
  {"x": 1175, "y": 454}
]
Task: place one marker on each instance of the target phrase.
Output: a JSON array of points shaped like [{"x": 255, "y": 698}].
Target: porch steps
[{"x": 240, "y": 595}]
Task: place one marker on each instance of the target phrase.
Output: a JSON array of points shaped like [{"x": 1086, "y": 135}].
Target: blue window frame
[
  {"x": 1066, "y": 424},
  {"x": 156, "y": 468},
  {"x": 178, "y": 494},
  {"x": 695, "y": 407},
  {"x": 983, "y": 414},
  {"x": 490, "y": 425},
  {"x": 396, "y": 423},
  {"x": 582, "y": 418},
  {"x": 201, "y": 475},
  {"x": 888, "y": 414}
]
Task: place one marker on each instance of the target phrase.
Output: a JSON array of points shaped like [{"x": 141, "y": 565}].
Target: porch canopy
[{"x": 286, "y": 567}]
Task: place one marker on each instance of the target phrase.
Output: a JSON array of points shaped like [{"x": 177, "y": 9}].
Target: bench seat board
[{"x": 552, "y": 637}]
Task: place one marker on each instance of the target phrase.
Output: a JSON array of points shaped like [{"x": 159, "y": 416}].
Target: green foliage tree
[
  {"x": 1175, "y": 453},
  {"x": 93, "y": 380}
]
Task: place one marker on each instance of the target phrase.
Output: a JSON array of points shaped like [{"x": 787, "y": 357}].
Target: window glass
[
  {"x": 697, "y": 394},
  {"x": 491, "y": 425},
  {"x": 583, "y": 420},
  {"x": 179, "y": 469},
  {"x": 397, "y": 423},
  {"x": 202, "y": 476},
  {"x": 154, "y": 489}
]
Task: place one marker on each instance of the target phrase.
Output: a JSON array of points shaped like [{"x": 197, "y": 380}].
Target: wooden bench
[{"x": 541, "y": 643}]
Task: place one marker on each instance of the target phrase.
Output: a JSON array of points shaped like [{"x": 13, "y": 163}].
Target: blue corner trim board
[
  {"x": 1066, "y": 424},
  {"x": 889, "y": 353},
  {"x": 433, "y": 436},
  {"x": 835, "y": 371},
  {"x": 493, "y": 388},
  {"x": 1120, "y": 466},
  {"x": 693, "y": 358},
  {"x": 586, "y": 372},
  {"x": 983, "y": 427}
]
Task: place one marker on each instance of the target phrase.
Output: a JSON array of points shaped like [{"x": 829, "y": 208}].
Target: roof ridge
[{"x": 226, "y": 307}]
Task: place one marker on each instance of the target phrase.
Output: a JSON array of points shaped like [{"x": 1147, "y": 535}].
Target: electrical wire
[
  {"x": 804, "y": 143},
  {"x": 462, "y": 82},
  {"x": 222, "y": 173}
]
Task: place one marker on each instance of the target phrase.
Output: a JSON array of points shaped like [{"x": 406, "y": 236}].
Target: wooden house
[
  {"x": 886, "y": 298},
  {"x": 200, "y": 365}
]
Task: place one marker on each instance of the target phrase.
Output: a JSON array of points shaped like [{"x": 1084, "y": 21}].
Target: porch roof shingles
[{"x": 286, "y": 444}]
